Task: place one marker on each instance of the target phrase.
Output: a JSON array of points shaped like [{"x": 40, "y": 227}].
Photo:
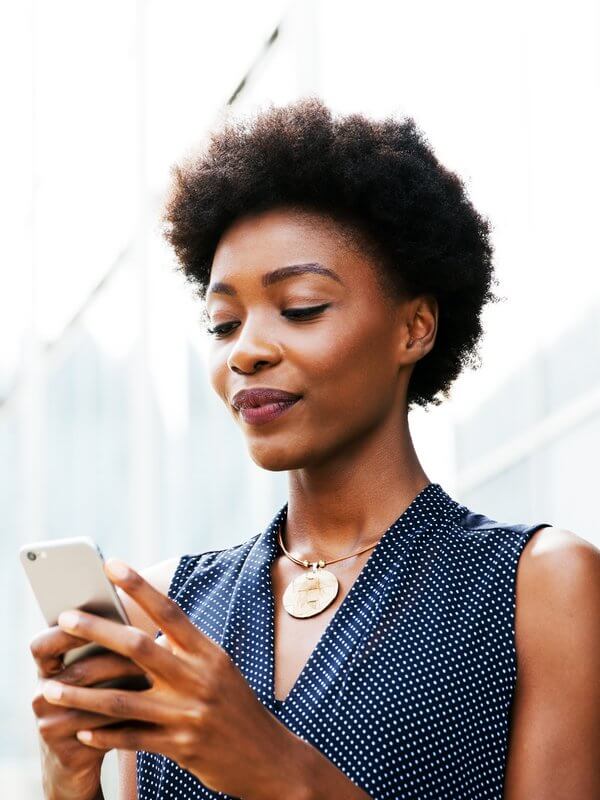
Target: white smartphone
[{"x": 68, "y": 573}]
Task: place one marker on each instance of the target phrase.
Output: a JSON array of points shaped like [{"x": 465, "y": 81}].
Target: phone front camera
[{"x": 31, "y": 556}]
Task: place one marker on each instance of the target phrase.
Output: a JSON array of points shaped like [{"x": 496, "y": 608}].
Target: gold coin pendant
[{"x": 310, "y": 593}]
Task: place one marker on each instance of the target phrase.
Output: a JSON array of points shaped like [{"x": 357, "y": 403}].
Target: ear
[{"x": 418, "y": 328}]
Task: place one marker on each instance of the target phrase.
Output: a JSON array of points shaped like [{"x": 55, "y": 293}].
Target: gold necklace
[{"x": 310, "y": 593}]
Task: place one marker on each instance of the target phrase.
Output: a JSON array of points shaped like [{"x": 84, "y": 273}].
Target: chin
[{"x": 279, "y": 458}]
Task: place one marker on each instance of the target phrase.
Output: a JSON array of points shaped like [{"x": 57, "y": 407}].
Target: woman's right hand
[{"x": 70, "y": 769}]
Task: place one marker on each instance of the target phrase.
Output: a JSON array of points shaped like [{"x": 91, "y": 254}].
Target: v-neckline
[{"x": 335, "y": 621}]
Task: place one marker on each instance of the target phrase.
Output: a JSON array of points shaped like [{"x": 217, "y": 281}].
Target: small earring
[{"x": 410, "y": 343}]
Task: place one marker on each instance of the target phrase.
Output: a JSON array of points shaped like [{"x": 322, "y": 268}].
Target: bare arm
[
  {"x": 159, "y": 575},
  {"x": 127, "y": 777},
  {"x": 554, "y": 749}
]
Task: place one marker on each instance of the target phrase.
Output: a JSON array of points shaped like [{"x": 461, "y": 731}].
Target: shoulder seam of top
[{"x": 499, "y": 524}]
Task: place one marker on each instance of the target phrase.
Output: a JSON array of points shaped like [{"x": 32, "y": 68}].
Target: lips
[{"x": 254, "y": 398}]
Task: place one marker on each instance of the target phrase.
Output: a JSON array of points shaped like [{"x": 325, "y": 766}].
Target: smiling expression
[{"x": 346, "y": 357}]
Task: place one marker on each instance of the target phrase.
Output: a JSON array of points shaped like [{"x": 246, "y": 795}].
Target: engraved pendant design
[{"x": 310, "y": 593}]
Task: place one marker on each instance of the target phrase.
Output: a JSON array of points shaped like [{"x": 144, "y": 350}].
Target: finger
[
  {"x": 48, "y": 647},
  {"x": 43, "y": 709},
  {"x": 128, "y": 641},
  {"x": 64, "y": 723},
  {"x": 95, "y": 669},
  {"x": 117, "y": 703},
  {"x": 126, "y": 738},
  {"x": 165, "y": 612},
  {"x": 46, "y": 713}
]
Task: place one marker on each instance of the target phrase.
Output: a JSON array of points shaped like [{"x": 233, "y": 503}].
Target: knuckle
[
  {"x": 141, "y": 643},
  {"x": 39, "y": 644},
  {"x": 46, "y": 726},
  {"x": 34, "y": 646},
  {"x": 181, "y": 737},
  {"x": 48, "y": 670},
  {"x": 74, "y": 673},
  {"x": 195, "y": 714},
  {"x": 187, "y": 742},
  {"x": 134, "y": 580},
  {"x": 37, "y": 703},
  {"x": 170, "y": 610},
  {"x": 118, "y": 705},
  {"x": 209, "y": 691}
]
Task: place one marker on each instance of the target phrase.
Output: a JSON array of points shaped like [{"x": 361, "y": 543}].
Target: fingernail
[
  {"x": 117, "y": 568},
  {"x": 84, "y": 736},
  {"x": 68, "y": 619},
  {"x": 52, "y": 690}
]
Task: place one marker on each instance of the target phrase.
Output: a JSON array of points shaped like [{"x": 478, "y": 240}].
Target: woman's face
[{"x": 347, "y": 359}]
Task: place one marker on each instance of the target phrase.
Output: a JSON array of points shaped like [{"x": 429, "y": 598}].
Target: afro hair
[{"x": 380, "y": 180}]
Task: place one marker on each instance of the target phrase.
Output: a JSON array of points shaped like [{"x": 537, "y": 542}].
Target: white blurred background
[{"x": 108, "y": 425}]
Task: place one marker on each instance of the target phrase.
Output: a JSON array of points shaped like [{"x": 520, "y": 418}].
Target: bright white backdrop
[{"x": 107, "y": 424}]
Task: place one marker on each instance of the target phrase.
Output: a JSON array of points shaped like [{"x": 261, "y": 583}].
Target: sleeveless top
[{"x": 409, "y": 689}]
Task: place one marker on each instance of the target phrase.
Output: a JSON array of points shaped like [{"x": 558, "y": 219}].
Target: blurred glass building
[{"x": 108, "y": 426}]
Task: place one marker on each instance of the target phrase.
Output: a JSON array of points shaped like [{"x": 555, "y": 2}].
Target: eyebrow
[{"x": 276, "y": 275}]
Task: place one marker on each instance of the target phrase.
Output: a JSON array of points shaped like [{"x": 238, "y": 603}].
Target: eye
[
  {"x": 301, "y": 313},
  {"x": 220, "y": 331}
]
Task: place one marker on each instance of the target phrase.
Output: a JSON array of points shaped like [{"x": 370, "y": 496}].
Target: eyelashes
[{"x": 220, "y": 331}]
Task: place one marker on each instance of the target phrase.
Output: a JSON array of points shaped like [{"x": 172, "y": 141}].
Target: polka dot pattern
[{"x": 409, "y": 688}]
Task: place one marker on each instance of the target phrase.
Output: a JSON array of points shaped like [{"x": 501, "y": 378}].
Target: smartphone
[{"x": 68, "y": 573}]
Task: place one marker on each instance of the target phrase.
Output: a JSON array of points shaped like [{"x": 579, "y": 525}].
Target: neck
[{"x": 346, "y": 503}]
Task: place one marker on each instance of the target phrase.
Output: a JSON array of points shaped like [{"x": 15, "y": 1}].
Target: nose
[{"x": 253, "y": 348}]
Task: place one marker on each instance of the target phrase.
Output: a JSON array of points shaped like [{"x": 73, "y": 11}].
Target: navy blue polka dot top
[{"x": 409, "y": 689}]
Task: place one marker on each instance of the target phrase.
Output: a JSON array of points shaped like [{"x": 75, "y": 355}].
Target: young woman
[{"x": 366, "y": 643}]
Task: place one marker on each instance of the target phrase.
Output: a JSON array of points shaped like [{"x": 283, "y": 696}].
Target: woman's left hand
[{"x": 200, "y": 711}]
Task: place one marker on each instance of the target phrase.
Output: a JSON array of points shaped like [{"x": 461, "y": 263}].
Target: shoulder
[
  {"x": 558, "y": 567},
  {"x": 555, "y": 718},
  {"x": 557, "y": 591},
  {"x": 550, "y": 547}
]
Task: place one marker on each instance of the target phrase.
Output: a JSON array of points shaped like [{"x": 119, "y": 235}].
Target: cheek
[
  {"x": 350, "y": 373},
  {"x": 217, "y": 374}
]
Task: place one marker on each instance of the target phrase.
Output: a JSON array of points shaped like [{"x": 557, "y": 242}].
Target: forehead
[{"x": 269, "y": 240}]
